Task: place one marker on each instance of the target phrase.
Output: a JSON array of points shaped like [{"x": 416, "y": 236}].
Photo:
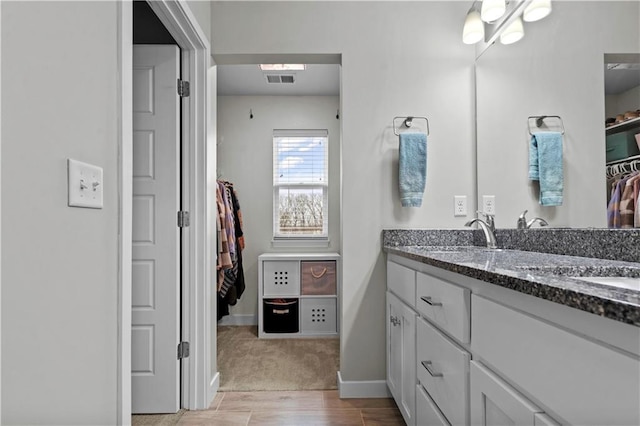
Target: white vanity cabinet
[
  {"x": 401, "y": 339},
  {"x": 487, "y": 355},
  {"x": 577, "y": 379}
]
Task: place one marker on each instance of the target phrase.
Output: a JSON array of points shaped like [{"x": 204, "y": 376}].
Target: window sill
[{"x": 299, "y": 242}]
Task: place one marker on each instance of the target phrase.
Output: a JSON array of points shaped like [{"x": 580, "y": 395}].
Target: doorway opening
[
  {"x": 157, "y": 193},
  {"x": 198, "y": 380},
  {"x": 254, "y": 107}
]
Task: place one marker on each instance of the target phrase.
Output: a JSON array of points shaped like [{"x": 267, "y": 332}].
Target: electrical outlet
[
  {"x": 489, "y": 204},
  {"x": 460, "y": 205}
]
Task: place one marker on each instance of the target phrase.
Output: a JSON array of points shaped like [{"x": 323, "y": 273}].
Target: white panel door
[{"x": 155, "y": 334}]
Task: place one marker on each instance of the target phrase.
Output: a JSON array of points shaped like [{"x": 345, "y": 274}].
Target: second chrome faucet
[{"x": 524, "y": 224}]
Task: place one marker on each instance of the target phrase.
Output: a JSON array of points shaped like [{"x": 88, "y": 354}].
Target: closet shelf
[{"x": 625, "y": 125}]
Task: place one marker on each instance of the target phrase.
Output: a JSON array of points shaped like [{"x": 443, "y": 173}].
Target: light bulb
[
  {"x": 473, "y": 30},
  {"x": 492, "y": 10},
  {"x": 513, "y": 33},
  {"x": 537, "y": 10}
]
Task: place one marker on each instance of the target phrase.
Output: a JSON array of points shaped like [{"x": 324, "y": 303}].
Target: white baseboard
[
  {"x": 214, "y": 385},
  {"x": 239, "y": 319},
  {"x": 363, "y": 388}
]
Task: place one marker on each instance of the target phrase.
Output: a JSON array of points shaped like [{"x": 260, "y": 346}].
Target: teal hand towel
[
  {"x": 545, "y": 166},
  {"x": 413, "y": 168}
]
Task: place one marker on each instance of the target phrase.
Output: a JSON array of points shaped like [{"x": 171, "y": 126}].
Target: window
[{"x": 300, "y": 183}]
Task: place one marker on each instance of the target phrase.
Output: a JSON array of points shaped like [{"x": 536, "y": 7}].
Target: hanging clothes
[
  {"x": 230, "y": 279},
  {"x": 623, "y": 202}
]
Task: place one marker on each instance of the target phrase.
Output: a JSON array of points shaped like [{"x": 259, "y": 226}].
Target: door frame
[{"x": 197, "y": 274}]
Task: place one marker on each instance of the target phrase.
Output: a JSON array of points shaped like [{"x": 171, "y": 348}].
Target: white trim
[
  {"x": 198, "y": 274},
  {"x": 214, "y": 385},
  {"x": 363, "y": 388},
  {"x": 125, "y": 202},
  {"x": 300, "y": 242},
  {"x": 239, "y": 319},
  {"x": 0, "y": 203}
]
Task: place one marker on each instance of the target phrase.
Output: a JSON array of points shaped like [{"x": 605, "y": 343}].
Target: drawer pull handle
[
  {"x": 428, "y": 300},
  {"x": 427, "y": 365},
  {"x": 394, "y": 321}
]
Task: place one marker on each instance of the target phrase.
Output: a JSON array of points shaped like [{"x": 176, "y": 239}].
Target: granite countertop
[{"x": 547, "y": 276}]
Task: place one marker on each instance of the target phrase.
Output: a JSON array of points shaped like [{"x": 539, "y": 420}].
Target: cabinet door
[
  {"x": 494, "y": 402},
  {"x": 394, "y": 346},
  {"x": 401, "y": 356}
]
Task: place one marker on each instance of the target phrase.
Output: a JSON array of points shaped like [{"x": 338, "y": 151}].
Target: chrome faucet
[
  {"x": 488, "y": 227},
  {"x": 523, "y": 224}
]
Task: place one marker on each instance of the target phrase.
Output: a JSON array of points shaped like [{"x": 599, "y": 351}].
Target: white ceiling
[
  {"x": 620, "y": 80},
  {"x": 324, "y": 80},
  {"x": 316, "y": 80}
]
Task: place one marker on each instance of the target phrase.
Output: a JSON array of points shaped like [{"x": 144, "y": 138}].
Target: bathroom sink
[
  {"x": 613, "y": 276},
  {"x": 630, "y": 283}
]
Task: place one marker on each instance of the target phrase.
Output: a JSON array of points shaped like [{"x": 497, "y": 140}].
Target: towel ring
[
  {"x": 408, "y": 122},
  {"x": 540, "y": 120}
]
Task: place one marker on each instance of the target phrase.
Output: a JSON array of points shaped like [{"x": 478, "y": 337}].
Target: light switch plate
[{"x": 85, "y": 184}]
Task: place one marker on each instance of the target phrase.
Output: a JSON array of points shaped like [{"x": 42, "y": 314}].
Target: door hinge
[
  {"x": 183, "y": 88},
  {"x": 183, "y": 219},
  {"x": 183, "y": 350}
]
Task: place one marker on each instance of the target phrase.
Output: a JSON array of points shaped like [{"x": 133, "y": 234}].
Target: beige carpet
[{"x": 247, "y": 363}]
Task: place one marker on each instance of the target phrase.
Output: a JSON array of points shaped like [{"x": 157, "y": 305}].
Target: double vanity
[{"x": 522, "y": 334}]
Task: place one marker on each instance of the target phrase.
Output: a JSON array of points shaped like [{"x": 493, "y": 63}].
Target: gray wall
[
  {"x": 201, "y": 10},
  {"x": 398, "y": 58},
  {"x": 59, "y": 264},
  {"x": 60, "y": 99}
]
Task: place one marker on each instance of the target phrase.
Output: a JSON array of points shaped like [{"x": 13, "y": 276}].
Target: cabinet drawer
[
  {"x": 581, "y": 381},
  {"x": 427, "y": 412},
  {"x": 281, "y": 278},
  {"x": 443, "y": 370},
  {"x": 318, "y": 315},
  {"x": 445, "y": 304},
  {"x": 402, "y": 282}
]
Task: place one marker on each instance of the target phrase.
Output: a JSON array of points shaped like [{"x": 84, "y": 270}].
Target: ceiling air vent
[{"x": 280, "y": 78}]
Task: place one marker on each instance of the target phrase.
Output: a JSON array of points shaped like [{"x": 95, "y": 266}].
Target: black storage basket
[{"x": 280, "y": 315}]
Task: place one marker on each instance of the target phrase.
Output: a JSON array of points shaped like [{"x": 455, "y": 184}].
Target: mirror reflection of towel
[
  {"x": 412, "y": 168},
  {"x": 545, "y": 165}
]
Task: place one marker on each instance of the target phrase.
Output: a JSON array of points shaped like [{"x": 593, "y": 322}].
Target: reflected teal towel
[
  {"x": 545, "y": 165},
  {"x": 413, "y": 168}
]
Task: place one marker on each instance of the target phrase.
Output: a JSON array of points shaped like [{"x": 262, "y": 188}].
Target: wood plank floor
[{"x": 294, "y": 408}]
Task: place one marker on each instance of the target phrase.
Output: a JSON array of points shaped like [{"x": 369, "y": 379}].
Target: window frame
[{"x": 283, "y": 239}]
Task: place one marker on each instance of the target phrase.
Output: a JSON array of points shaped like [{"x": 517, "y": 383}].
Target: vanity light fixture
[
  {"x": 492, "y": 10},
  {"x": 537, "y": 10},
  {"x": 473, "y": 30},
  {"x": 513, "y": 33}
]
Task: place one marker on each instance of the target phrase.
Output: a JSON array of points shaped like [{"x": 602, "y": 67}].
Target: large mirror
[{"x": 557, "y": 69}]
